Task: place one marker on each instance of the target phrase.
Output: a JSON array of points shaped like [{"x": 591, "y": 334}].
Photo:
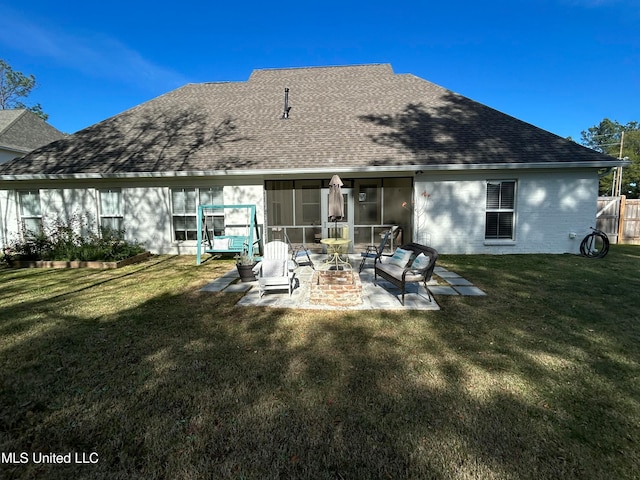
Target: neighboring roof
[
  {"x": 352, "y": 117},
  {"x": 23, "y": 131}
]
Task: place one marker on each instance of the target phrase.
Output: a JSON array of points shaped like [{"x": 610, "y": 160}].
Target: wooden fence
[{"x": 619, "y": 218}]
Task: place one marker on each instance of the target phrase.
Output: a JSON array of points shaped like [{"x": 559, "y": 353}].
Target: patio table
[{"x": 335, "y": 261}]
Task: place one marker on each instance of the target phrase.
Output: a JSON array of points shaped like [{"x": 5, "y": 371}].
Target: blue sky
[{"x": 562, "y": 65}]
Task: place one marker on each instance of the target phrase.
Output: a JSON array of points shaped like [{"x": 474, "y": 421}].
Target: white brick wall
[
  {"x": 147, "y": 217},
  {"x": 450, "y": 216},
  {"x": 148, "y": 214},
  {"x": 450, "y": 211},
  {"x": 65, "y": 204},
  {"x": 146, "y": 210}
]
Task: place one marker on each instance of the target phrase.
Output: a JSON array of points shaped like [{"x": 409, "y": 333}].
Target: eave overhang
[{"x": 370, "y": 169}]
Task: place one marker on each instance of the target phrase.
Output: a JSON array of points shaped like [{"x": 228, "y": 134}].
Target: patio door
[{"x": 343, "y": 228}]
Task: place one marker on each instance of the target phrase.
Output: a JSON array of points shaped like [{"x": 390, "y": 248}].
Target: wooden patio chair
[{"x": 273, "y": 270}]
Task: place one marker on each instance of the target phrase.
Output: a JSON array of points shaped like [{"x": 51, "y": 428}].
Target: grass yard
[{"x": 538, "y": 380}]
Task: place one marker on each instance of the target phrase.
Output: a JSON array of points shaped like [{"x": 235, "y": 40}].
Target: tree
[
  {"x": 606, "y": 137},
  {"x": 14, "y": 86}
]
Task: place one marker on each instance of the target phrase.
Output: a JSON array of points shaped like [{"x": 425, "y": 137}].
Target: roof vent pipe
[{"x": 285, "y": 113}]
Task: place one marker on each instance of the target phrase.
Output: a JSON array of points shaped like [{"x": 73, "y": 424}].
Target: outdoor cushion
[
  {"x": 273, "y": 267},
  {"x": 221, "y": 244},
  {"x": 393, "y": 270},
  {"x": 413, "y": 277},
  {"x": 396, "y": 271},
  {"x": 400, "y": 257},
  {"x": 420, "y": 262}
]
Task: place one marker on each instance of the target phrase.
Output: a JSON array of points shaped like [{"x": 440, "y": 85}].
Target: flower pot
[{"x": 246, "y": 273}]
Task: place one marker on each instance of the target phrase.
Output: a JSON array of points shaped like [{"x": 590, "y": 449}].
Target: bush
[{"x": 67, "y": 242}]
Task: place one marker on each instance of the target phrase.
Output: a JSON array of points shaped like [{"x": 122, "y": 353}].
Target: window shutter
[
  {"x": 505, "y": 225},
  {"x": 507, "y": 195},
  {"x": 491, "y": 225},
  {"x": 493, "y": 196}
]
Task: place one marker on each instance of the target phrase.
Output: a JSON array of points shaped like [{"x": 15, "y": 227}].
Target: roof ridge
[
  {"x": 315, "y": 67},
  {"x": 259, "y": 71}
]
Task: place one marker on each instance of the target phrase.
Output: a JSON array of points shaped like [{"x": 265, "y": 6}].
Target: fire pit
[{"x": 339, "y": 288}]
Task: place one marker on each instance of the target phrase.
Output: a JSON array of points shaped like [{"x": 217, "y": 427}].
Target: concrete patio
[{"x": 384, "y": 296}]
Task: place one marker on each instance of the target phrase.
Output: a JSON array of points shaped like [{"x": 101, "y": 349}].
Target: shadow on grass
[{"x": 189, "y": 386}]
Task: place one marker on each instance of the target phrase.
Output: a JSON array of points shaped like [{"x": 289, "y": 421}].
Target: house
[
  {"x": 451, "y": 172},
  {"x": 22, "y": 131}
]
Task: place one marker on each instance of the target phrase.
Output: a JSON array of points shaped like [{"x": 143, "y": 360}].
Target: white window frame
[
  {"x": 202, "y": 196},
  {"x": 503, "y": 207},
  {"x": 30, "y": 217},
  {"x": 108, "y": 217}
]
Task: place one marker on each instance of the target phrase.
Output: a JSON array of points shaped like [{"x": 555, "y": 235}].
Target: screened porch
[{"x": 298, "y": 208}]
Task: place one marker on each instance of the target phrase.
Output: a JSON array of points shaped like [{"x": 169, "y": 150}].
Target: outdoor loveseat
[{"x": 399, "y": 271}]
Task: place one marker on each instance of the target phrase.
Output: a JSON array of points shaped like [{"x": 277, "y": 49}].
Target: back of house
[{"x": 451, "y": 173}]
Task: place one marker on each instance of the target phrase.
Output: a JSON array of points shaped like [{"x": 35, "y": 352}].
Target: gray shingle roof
[
  {"x": 23, "y": 130},
  {"x": 350, "y": 116},
  {"x": 7, "y": 117}
]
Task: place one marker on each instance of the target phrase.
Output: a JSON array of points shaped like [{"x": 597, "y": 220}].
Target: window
[
  {"x": 214, "y": 218},
  {"x": 184, "y": 213},
  {"x": 500, "y": 210},
  {"x": 184, "y": 204},
  {"x": 30, "y": 212},
  {"x": 110, "y": 210}
]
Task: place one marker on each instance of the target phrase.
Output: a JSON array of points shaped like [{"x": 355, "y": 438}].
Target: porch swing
[{"x": 209, "y": 242}]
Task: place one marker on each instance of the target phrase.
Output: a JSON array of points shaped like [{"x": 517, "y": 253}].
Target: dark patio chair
[{"x": 375, "y": 251}]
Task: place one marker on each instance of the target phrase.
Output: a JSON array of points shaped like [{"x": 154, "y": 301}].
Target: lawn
[{"x": 138, "y": 371}]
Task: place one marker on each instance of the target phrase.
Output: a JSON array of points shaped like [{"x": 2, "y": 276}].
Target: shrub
[{"x": 72, "y": 241}]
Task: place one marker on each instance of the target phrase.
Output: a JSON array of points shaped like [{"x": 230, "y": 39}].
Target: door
[{"x": 344, "y": 227}]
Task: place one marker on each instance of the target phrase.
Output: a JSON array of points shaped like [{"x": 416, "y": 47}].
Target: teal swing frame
[{"x": 236, "y": 243}]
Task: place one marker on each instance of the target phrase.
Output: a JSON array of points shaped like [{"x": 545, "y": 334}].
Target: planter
[
  {"x": 246, "y": 273},
  {"x": 76, "y": 264}
]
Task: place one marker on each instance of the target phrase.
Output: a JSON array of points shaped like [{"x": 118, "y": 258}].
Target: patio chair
[
  {"x": 375, "y": 251},
  {"x": 273, "y": 270},
  {"x": 298, "y": 252}
]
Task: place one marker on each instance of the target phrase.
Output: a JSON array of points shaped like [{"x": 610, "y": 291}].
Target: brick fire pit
[{"x": 339, "y": 288}]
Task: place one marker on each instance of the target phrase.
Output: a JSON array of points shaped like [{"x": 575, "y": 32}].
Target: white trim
[
  {"x": 497, "y": 242},
  {"x": 512, "y": 210},
  {"x": 21, "y": 217},
  {"x": 15, "y": 148},
  {"x": 102, "y": 215},
  {"x": 323, "y": 171}
]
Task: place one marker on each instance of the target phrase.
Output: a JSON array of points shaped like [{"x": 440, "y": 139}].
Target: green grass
[{"x": 540, "y": 379}]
